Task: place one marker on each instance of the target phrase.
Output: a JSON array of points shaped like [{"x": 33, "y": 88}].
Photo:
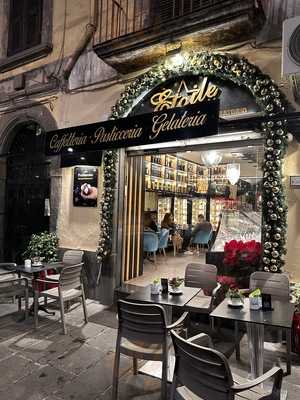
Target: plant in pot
[
  {"x": 235, "y": 298},
  {"x": 42, "y": 247},
  {"x": 155, "y": 286},
  {"x": 255, "y": 301},
  {"x": 175, "y": 284}
]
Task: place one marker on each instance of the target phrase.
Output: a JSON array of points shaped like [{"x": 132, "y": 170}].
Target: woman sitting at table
[
  {"x": 149, "y": 223},
  {"x": 168, "y": 223}
]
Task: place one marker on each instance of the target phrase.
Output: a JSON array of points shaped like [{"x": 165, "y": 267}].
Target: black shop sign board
[
  {"x": 85, "y": 187},
  {"x": 191, "y": 121}
]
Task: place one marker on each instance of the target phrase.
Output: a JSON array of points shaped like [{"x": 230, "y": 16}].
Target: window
[{"x": 25, "y": 25}]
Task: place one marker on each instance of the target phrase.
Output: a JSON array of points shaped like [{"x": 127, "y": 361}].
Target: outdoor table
[
  {"x": 281, "y": 317},
  {"x": 34, "y": 273},
  {"x": 168, "y": 301}
]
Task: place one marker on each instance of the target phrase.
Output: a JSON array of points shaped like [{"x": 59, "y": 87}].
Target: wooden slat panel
[{"x": 134, "y": 203}]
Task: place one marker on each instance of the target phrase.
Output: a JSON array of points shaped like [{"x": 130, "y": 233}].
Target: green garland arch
[{"x": 268, "y": 96}]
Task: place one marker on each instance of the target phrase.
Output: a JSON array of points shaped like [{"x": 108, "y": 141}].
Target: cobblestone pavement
[{"x": 47, "y": 365}]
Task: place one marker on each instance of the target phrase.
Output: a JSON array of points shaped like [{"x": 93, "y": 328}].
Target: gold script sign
[{"x": 184, "y": 96}]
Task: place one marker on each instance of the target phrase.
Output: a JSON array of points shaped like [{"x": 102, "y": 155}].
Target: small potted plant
[
  {"x": 235, "y": 298},
  {"x": 255, "y": 302},
  {"x": 155, "y": 286},
  {"x": 175, "y": 284}
]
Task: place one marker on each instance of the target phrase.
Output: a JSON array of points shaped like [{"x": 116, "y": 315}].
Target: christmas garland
[{"x": 268, "y": 96}]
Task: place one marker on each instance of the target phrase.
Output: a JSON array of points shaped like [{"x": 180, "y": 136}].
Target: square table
[
  {"x": 153, "y": 368},
  {"x": 34, "y": 273},
  {"x": 281, "y": 317}
]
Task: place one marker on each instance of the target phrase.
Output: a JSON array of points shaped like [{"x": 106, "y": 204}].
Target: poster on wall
[{"x": 85, "y": 188}]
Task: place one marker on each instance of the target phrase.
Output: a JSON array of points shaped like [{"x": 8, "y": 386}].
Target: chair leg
[
  {"x": 135, "y": 366},
  {"x": 164, "y": 377},
  {"x": 19, "y": 303},
  {"x": 115, "y": 382},
  {"x": 62, "y": 314},
  {"x": 26, "y": 303},
  {"x": 84, "y": 306},
  {"x": 164, "y": 251},
  {"x": 237, "y": 343},
  {"x": 288, "y": 351},
  {"x": 36, "y": 308},
  {"x": 173, "y": 388},
  {"x": 154, "y": 257}
]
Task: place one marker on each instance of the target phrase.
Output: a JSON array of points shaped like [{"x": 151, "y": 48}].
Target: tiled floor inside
[
  {"x": 166, "y": 267},
  {"x": 46, "y": 365}
]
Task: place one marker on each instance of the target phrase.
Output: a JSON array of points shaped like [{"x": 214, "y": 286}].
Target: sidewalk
[{"x": 46, "y": 365}]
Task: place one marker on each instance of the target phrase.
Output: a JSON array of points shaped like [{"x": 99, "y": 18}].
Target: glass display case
[
  {"x": 180, "y": 211},
  {"x": 238, "y": 225}
]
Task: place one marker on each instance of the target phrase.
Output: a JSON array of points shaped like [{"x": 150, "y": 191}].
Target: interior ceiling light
[
  {"x": 233, "y": 173},
  {"x": 210, "y": 158}
]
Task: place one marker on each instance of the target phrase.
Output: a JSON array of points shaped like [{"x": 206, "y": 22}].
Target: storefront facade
[{"x": 84, "y": 228}]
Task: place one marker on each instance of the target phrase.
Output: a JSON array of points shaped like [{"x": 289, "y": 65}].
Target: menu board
[{"x": 85, "y": 188}]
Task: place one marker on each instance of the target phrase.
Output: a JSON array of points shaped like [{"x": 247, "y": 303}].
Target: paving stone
[
  {"x": 87, "y": 331},
  {"x": 15, "y": 368},
  {"x": 95, "y": 381},
  {"x": 135, "y": 387},
  {"x": 5, "y": 352},
  {"x": 106, "y": 341},
  {"x": 39, "y": 385},
  {"x": 77, "y": 360}
]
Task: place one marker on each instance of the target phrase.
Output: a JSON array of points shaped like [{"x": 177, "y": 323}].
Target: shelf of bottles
[
  {"x": 198, "y": 207},
  {"x": 170, "y": 173},
  {"x": 218, "y": 207},
  {"x": 164, "y": 206},
  {"x": 180, "y": 211}
]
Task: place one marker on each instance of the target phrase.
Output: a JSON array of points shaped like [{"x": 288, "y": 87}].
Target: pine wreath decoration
[{"x": 268, "y": 96}]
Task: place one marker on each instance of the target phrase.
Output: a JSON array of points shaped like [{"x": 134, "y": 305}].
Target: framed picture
[
  {"x": 85, "y": 187},
  {"x": 295, "y": 182}
]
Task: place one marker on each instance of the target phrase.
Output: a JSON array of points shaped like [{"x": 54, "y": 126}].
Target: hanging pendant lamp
[{"x": 233, "y": 173}]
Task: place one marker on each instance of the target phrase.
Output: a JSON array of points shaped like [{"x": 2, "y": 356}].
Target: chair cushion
[
  {"x": 67, "y": 294},
  {"x": 200, "y": 304},
  {"x": 5, "y": 277}
]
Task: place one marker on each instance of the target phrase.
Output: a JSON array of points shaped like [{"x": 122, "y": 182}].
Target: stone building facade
[{"x": 61, "y": 82}]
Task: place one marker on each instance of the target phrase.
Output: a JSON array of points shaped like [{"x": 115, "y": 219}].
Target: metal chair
[
  {"x": 11, "y": 286},
  {"x": 69, "y": 287},
  {"x": 204, "y": 373},
  {"x": 70, "y": 257},
  {"x": 143, "y": 334},
  {"x": 202, "y": 238},
  {"x": 150, "y": 244},
  {"x": 163, "y": 240}
]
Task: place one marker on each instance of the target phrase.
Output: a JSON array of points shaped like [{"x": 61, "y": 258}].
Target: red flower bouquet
[{"x": 241, "y": 259}]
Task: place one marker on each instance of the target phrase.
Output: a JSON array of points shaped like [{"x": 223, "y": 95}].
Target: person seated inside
[
  {"x": 168, "y": 223},
  {"x": 149, "y": 223},
  {"x": 202, "y": 225}
]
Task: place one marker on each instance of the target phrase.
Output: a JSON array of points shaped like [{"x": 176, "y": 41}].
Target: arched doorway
[{"x": 27, "y": 188}]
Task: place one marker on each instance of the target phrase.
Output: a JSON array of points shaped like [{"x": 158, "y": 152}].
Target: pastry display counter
[{"x": 237, "y": 225}]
